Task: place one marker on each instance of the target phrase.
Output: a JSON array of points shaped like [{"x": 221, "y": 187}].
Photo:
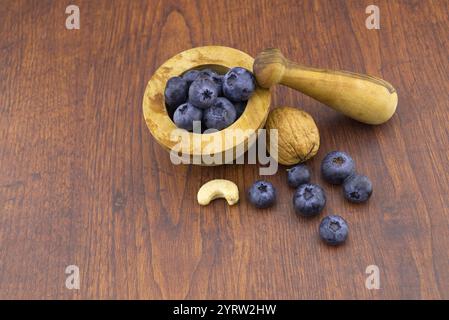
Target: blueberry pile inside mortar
[{"x": 213, "y": 99}]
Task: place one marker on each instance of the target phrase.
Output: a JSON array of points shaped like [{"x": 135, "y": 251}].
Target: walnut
[{"x": 298, "y": 136}]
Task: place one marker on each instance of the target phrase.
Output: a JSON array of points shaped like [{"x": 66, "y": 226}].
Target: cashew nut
[{"x": 218, "y": 188}]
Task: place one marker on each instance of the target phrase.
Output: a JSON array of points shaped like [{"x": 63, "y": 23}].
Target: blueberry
[
  {"x": 221, "y": 115},
  {"x": 240, "y": 107},
  {"x": 309, "y": 199},
  {"x": 203, "y": 92},
  {"x": 357, "y": 188},
  {"x": 336, "y": 167},
  {"x": 175, "y": 93},
  {"x": 218, "y": 80},
  {"x": 334, "y": 230},
  {"x": 238, "y": 84},
  {"x": 262, "y": 194},
  {"x": 208, "y": 72},
  {"x": 215, "y": 77},
  {"x": 185, "y": 114},
  {"x": 298, "y": 175},
  {"x": 191, "y": 76}
]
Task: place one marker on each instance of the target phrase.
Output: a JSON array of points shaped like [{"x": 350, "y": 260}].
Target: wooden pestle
[{"x": 364, "y": 98}]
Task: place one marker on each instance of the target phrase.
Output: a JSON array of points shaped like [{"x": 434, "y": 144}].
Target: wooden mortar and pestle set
[{"x": 361, "y": 97}]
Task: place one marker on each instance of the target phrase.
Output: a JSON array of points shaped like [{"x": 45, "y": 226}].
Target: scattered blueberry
[
  {"x": 203, "y": 92},
  {"x": 175, "y": 92},
  {"x": 185, "y": 114},
  {"x": 262, "y": 194},
  {"x": 309, "y": 199},
  {"x": 357, "y": 188},
  {"x": 238, "y": 84},
  {"x": 221, "y": 115},
  {"x": 334, "y": 230},
  {"x": 191, "y": 76},
  {"x": 336, "y": 167},
  {"x": 298, "y": 175},
  {"x": 240, "y": 107}
]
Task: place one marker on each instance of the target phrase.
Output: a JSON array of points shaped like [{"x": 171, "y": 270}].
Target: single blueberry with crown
[
  {"x": 336, "y": 167},
  {"x": 185, "y": 115},
  {"x": 220, "y": 115},
  {"x": 298, "y": 175},
  {"x": 238, "y": 84},
  {"x": 262, "y": 194},
  {"x": 203, "y": 92},
  {"x": 357, "y": 188},
  {"x": 175, "y": 93},
  {"x": 334, "y": 230},
  {"x": 191, "y": 76},
  {"x": 309, "y": 199},
  {"x": 215, "y": 77}
]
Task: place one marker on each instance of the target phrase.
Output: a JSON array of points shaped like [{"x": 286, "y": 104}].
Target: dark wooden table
[{"x": 82, "y": 182}]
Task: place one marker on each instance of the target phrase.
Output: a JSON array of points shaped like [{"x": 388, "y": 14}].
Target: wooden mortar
[{"x": 220, "y": 59}]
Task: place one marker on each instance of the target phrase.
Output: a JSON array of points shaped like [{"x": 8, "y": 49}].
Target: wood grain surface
[{"x": 82, "y": 181}]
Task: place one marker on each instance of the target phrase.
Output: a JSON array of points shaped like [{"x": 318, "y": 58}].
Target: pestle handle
[{"x": 362, "y": 97}]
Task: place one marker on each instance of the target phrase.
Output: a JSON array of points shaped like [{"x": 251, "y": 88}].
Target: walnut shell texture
[{"x": 298, "y": 135}]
